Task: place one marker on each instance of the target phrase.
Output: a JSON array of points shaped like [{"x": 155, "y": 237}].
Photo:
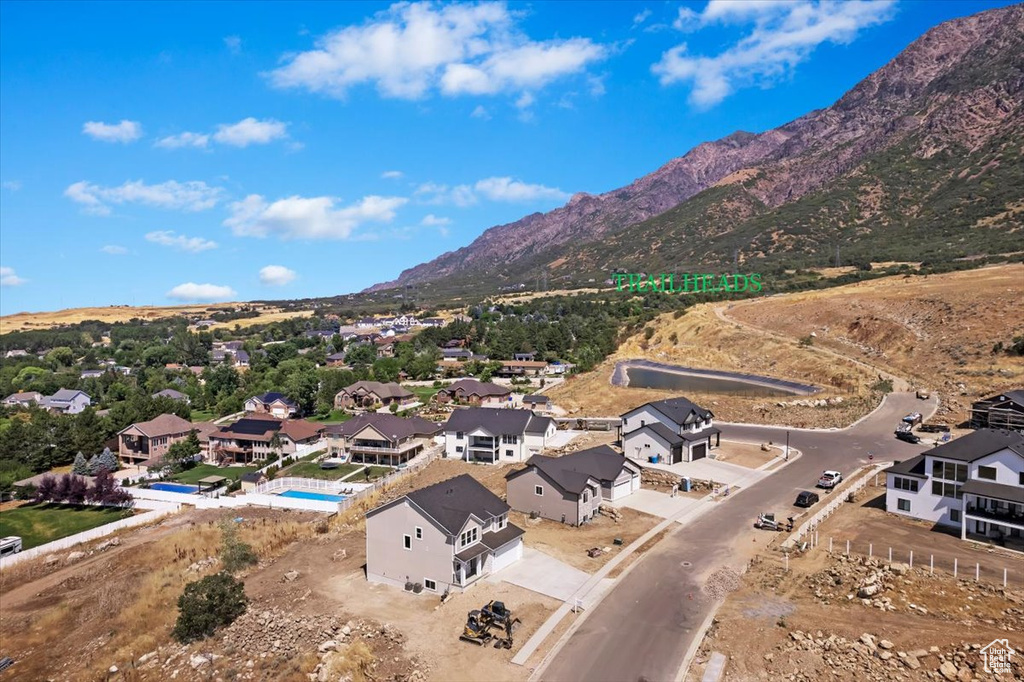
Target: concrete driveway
[
  {"x": 713, "y": 470},
  {"x": 661, "y": 505},
  {"x": 543, "y": 573},
  {"x": 562, "y": 438}
]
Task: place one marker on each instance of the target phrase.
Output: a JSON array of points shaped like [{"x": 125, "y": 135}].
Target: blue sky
[{"x": 154, "y": 153}]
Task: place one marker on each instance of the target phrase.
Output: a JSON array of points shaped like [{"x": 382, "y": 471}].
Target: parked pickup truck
[{"x": 830, "y": 479}]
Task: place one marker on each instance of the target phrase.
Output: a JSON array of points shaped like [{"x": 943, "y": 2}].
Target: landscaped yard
[
  {"x": 202, "y": 416},
  {"x": 191, "y": 476},
  {"x": 423, "y": 393},
  {"x": 335, "y": 417},
  {"x": 38, "y": 524},
  {"x": 313, "y": 470}
]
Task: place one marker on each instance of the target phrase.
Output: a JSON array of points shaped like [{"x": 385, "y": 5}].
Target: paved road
[{"x": 643, "y": 628}]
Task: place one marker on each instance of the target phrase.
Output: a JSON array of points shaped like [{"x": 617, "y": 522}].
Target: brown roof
[
  {"x": 300, "y": 429},
  {"x": 164, "y": 425},
  {"x": 379, "y": 389},
  {"x": 478, "y": 388},
  {"x": 524, "y": 363},
  {"x": 387, "y": 425}
]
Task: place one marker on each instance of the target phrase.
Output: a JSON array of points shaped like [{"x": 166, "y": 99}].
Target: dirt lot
[
  {"x": 748, "y": 455},
  {"x": 811, "y": 620},
  {"x": 115, "y": 313},
  {"x": 867, "y": 523},
  {"x": 571, "y": 544},
  {"x": 938, "y": 330}
]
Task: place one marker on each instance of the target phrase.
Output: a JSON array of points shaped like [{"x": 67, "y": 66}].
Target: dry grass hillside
[
  {"x": 937, "y": 331},
  {"x": 124, "y": 313}
]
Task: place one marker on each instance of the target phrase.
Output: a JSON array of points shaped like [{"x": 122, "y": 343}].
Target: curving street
[{"x": 645, "y": 625}]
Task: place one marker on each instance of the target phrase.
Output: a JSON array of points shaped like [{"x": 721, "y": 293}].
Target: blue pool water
[
  {"x": 303, "y": 495},
  {"x": 175, "y": 487}
]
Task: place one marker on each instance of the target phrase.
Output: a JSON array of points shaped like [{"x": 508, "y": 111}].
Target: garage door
[
  {"x": 506, "y": 555},
  {"x": 622, "y": 489},
  {"x": 699, "y": 451}
]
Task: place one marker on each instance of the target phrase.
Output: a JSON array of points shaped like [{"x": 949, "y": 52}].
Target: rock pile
[
  {"x": 275, "y": 633},
  {"x": 722, "y": 582},
  {"x": 611, "y": 512},
  {"x": 874, "y": 658},
  {"x": 818, "y": 402}
]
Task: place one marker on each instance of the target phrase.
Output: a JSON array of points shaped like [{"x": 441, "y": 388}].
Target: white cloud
[
  {"x": 411, "y": 50},
  {"x": 9, "y": 278},
  {"x": 392, "y": 175},
  {"x": 481, "y": 112},
  {"x": 180, "y": 241},
  {"x": 434, "y": 193},
  {"x": 194, "y": 195},
  {"x": 233, "y": 43},
  {"x": 298, "y": 217},
  {"x": 190, "y": 291},
  {"x": 524, "y": 101},
  {"x": 641, "y": 17},
  {"x": 432, "y": 220},
  {"x": 507, "y": 189},
  {"x": 114, "y": 250},
  {"x": 124, "y": 132},
  {"x": 185, "y": 139},
  {"x": 443, "y": 231},
  {"x": 276, "y": 275},
  {"x": 12, "y": 185},
  {"x": 250, "y": 131},
  {"x": 784, "y": 35}
]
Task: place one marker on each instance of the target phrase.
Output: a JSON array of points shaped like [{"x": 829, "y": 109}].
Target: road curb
[{"x": 697, "y": 641}]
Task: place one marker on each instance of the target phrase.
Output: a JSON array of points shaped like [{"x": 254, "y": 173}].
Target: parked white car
[
  {"x": 10, "y": 545},
  {"x": 830, "y": 479}
]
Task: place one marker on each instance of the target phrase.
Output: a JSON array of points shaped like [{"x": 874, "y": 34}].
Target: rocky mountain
[{"x": 926, "y": 148}]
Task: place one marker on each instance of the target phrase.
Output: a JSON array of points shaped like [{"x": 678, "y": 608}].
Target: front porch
[
  {"x": 380, "y": 454},
  {"x": 993, "y": 512},
  {"x": 469, "y": 565}
]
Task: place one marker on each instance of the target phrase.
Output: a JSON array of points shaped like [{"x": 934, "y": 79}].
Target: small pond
[{"x": 646, "y": 374}]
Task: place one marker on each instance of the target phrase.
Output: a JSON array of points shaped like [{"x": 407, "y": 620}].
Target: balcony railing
[
  {"x": 1013, "y": 517},
  {"x": 404, "y": 447}
]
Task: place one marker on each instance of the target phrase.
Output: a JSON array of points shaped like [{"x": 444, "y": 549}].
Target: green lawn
[
  {"x": 313, "y": 470},
  {"x": 38, "y": 524},
  {"x": 193, "y": 475},
  {"x": 423, "y": 393},
  {"x": 335, "y": 417},
  {"x": 202, "y": 416}
]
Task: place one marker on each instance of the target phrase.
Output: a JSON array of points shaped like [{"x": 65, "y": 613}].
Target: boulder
[
  {"x": 329, "y": 645},
  {"x": 948, "y": 670},
  {"x": 197, "y": 661},
  {"x": 885, "y": 644},
  {"x": 75, "y": 556}
]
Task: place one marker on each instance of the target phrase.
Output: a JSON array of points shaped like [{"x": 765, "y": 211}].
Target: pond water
[{"x": 647, "y": 377}]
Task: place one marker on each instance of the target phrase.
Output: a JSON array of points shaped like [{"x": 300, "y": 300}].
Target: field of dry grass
[
  {"x": 936, "y": 330},
  {"x": 124, "y": 313}
]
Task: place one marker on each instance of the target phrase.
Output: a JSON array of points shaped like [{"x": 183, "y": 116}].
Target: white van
[{"x": 10, "y": 545}]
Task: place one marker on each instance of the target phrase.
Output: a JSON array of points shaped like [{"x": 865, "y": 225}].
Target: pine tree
[
  {"x": 93, "y": 465},
  {"x": 80, "y": 467},
  {"x": 107, "y": 460}
]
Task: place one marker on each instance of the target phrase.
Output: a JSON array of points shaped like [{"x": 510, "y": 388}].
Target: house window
[
  {"x": 509, "y": 453},
  {"x": 950, "y": 471},
  {"x": 900, "y": 483},
  {"x": 1020, "y": 478},
  {"x": 509, "y": 439},
  {"x": 458, "y": 448},
  {"x": 407, "y": 541},
  {"x": 430, "y": 584},
  {"x": 586, "y": 496},
  {"x": 903, "y": 505},
  {"x": 988, "y": 473},
  {"x": 419, "y": 533},
  {"x": 942, "y": 489},
  {"x": 954, "y": 515},
  {"x": 468, "y": 538},
  {"x": 459, "y": 435},
  {"x": 538, "y": 490}
]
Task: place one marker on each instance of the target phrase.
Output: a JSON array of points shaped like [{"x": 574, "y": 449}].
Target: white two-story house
[
  {"x": 974, "y": 483},
  {"x": 674, "y": 430},
  {"x": 442, "y": 537},
  {"x": 497, "y": 436}
]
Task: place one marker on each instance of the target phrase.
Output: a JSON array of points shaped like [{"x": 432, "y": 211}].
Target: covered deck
[{"x": 993, "y": 511}]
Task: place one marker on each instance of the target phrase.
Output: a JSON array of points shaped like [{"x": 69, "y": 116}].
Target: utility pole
[
  {"x": 837, "y": 255},
  {"x": 787, "y": 445}
]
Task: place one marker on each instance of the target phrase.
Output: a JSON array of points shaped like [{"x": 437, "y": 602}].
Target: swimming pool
[
  {"x": 303, "y": 495},
  {"x": 175, "y": 488}
]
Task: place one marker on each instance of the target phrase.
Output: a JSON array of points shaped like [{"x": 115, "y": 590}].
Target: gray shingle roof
[
  {"x": 67, "y": 394},
  {"x": 499, "y": 538},
  {"x": 1000, "y": 491},
  {"x": 478, "y": 388},
  {"x": 268, "y": 398},
  {"x": 572, "y": 471},
  {"x": 978, "y": 444},
  {"x": 913, "y": 467},
  {"x": 451, "y": 502},
  {"x": 666, "y": 433},
  {"x": 680, "y": 410},
  {"x": 496, "y": 421},
  {"x": 380, "y": 389},
  {"x": 387, "y": 424}
]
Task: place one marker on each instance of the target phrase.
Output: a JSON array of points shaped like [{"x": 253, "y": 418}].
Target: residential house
[
  {"x": 92, "y": 373},
  {"x": 385, "y": 348},
  {"x": 27, "y": 399},
  {"x": 145, "y": 443},
  {"x": 173, "y": 395},
  {"x": 443, "y": 537},
  {"x": 227, "y": 345},
  {"x": 240, "y": 359},
  {"x": 252, "y": 438},
  {"x": 275, "y": 404},
  {"x": 974, "y": 483},
  {"x": 369, "y": 393},
  {"x": 461, "y": 354},
  {"x": 432, "y": 322},
  {"x": 477, "y": 393},
  {"x": 558, "y": 367},
  {"x": 484, "y": 434},
  {"x": 570, "y": 489},
  {"x": 675, "y": 430},
  {"x": 66, "y": 401},
  {"x": 1003, "y": 411},
  {"x": 384, "y": 439},
  {"x": 17, "y": 353},
  {"x": 366, "y": 323},
  {"x": 336, "y": 360},
  {"x": 522, "y": 368},
  {"x": 537, "y": 403},
  {"x": 320, "y": 334},
  {"x": 455, "y": 343},
  {"x": 528, "y": 357}
]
